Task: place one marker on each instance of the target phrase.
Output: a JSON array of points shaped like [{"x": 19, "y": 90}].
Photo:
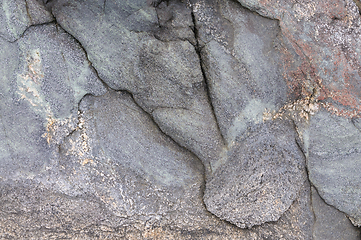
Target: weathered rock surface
[
  {"x": 17, "y": 15},
  {"x": 43, "y": 77},
  {"x": 325, "y": 35},
  {"x": 121, "y": 177},
  {"x": 179, "y": 119},
  {"x": 261, "y": 178},
  {"x": 163, "y": 75},
  {"x": 331, "y": 223},
  {"x": 264, "y": 168},
  {"x": 334, "y": 159}
]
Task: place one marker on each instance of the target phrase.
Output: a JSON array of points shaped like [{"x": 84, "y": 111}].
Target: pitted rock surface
[{"x": 179, "y": 119}]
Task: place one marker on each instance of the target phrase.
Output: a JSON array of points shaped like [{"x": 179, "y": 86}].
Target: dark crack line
[
  {"x": 27, "y": 10},
  {"x": 104, "y": 5},
  {"x": 324, "y": 201},
  {"x": 122, "y": 90},
  {"x": 27, "y": 29},
  {"x": 205, "y": 79},
  {"x": 152, "y": 118},
  {"x": 87, "y": 58}
]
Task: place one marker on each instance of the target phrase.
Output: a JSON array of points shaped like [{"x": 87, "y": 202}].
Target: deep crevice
[
  {"x": 126, "y": 91},
  {"x": 131, "y": 94},
  {"x": 198, "y": 49}
]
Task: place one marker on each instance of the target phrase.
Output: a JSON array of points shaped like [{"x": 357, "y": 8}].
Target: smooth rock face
[
  {"x": 331, "y": 223},
  {"x": 179, "y": 119},
  {"x": 334, "y": 162}
]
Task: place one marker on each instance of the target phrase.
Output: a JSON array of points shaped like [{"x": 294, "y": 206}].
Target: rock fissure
[
  {"x": 156, "y": 114},
  {"x": 122, "y": 90},
  {"x": 197, "y": 48}
]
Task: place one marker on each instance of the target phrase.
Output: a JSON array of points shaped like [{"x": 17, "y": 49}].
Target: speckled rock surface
[
  {"x": 334, "y": 162},
  {"x": 163, "y": 75},
  {"x": 261, "y": 178},
  {"x": 179, "y": 119},
  {"x": 44, "y": 75},
  {"x": 331, "y": 223}
]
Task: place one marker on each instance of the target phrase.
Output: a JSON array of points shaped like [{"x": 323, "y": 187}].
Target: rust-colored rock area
[{"x": 325, "y": 36}]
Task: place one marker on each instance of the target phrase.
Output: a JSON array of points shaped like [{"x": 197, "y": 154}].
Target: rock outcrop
[{"x": 180, "y": 119}]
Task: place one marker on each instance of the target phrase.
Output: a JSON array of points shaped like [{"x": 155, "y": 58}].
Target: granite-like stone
[{"x": 261, "y": 178}]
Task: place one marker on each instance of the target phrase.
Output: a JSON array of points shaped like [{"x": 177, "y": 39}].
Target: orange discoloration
[{"x": 325, "y": 47}]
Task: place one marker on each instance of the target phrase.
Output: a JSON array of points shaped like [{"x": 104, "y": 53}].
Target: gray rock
[
  {"x": 333, "y": 160},
  {"x": 13, "y": 19},
  {"x": 242, "y": 64},
  {"x": 163, "y": 73},
  {"x": 201, "y": 81},
  {"x": 325, "y": 35},
  {"x": 331, "y": 223},
  {"x": 127, "y": 162},
  {"x": 44, "y": 75},
  {"x": 295, "y": 223},
  {"x": 120, "y": 177},
  {"x": 37, "y": 12},
  {"x": 261, "y": 178},
  {"x": 263, "y": 169},
  {"x": 17, "y": 15}
]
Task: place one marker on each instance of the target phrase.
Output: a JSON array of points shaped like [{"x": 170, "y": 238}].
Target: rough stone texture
[
  {"x": 331, "y": 223},
  {"x": 264, "y": 168},
  {"x": 334, "y": 162},
  {"x": 17, "y": 15},
  {"x": 43, "y": 77},
  {"x": 129, "y": 164},
  {"x": 325, "y": 35},
  {"x": 100, "y": 188},
  {"x": 242, "y": 64},
  {"x": 261, "y": 178},
  {"x": 196, "y": 121},
  {"x": 163, "y": 74},
  {"x": 296, "y": 223}
]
